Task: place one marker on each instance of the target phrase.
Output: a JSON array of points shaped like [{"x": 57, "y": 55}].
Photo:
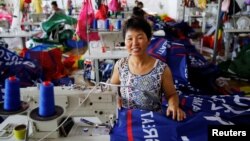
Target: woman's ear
[{"x": 149, "y": 40}]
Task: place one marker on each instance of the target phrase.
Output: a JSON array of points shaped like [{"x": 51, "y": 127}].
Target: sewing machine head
[{"x": 75, "y": 102}]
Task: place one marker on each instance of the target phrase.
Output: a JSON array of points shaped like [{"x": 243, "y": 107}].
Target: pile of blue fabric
[
  {"x": 202, "y": 112},
  {"x": 28, "y": 71},
  {"x": 191, "y": 71}
]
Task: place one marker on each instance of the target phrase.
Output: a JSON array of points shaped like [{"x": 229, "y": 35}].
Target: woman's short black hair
[
  {"x": 140, "y": 4},
  {"x": 54, "y": 3},
  {"x": 137, "y": 23},
  {"x": 138, "y": 12}
]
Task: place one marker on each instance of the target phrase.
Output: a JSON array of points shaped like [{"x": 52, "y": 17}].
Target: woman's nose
[{"x": 135, "y": 41}]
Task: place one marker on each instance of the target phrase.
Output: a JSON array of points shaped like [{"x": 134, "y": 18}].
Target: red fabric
[
  {"x": 86, "y": 17},
  {"x": 50, "y": 61},
  {"x": 27, "y": 1},
  {"x": 168, "y": 19},
  {"x": 129, "y": 126},
  {"x": 208, "y": 41},
  {"x": 102, "y": 12},
  {"x": 24, "y": 50},
  {"x": 69, "y": 62}
]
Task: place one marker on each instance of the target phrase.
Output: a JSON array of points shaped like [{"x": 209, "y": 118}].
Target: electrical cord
[{"x": 90, "y": 92}]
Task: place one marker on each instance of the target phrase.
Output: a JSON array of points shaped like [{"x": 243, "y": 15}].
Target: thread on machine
[
  {"x": 12, "y": 100},
  {"x": 46, "y": 99}
]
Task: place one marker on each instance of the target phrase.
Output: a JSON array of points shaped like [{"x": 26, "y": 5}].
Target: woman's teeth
[{"x": 135, "y": 49}]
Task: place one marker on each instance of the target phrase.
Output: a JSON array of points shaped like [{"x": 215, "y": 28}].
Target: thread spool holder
[{"x": 23, "y": 109}]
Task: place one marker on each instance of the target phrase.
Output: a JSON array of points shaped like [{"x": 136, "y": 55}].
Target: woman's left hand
[{"x": 176, "y": 112}]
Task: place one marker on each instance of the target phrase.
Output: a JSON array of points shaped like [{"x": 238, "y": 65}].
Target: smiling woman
[{"x": 141, "y": 71}]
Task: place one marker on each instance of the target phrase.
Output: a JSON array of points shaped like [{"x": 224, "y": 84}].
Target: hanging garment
[
  {"x": 201, "y": 3},
  {"x": 25, "y": 12},
  {"x": 102, "y": 12},
  {"x": 124, "y": 3},
  {"x": 85, "y": 19},
  {"x": 233, "y": 7},
  {"x": 225, "y": 5},
  {"x": 114, "y": 6},
  {"x": 189, "y": 3},
  {"x": 37, "y": 5},
  {"x": 6, "y": 16}
]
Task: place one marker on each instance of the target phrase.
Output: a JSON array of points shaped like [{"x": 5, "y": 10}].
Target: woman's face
[
  {"x": 136, "y": 42},
  {"x": 139, "y": 5}
]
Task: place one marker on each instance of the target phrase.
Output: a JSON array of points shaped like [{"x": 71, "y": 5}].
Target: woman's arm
[
  {"x": 115, "y": 76},
  {"x": 116, "y": 80},
  {"x": 172, "y": 96},
  {"x": 168, "y": 87}
]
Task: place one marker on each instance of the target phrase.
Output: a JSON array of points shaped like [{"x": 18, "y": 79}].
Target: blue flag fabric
[
  {"x": 11, "y": 64},
  {"x": 172, "y": 53},
  {"x": 189, "y": 68},
  {"x": 158, "y": 48},
  {"x": 177, "y": 62},
  {"x": 201, "y": 111}
]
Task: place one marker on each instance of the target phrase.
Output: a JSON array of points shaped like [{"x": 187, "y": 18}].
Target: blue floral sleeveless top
[{"x": 134, "y": 96}]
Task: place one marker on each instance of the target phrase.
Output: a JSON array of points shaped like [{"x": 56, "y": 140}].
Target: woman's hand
[
  {"x": 176, "y": 112},
  {"x": 119, "y": 102}
]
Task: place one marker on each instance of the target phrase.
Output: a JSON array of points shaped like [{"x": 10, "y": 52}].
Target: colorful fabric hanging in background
[
  {"x": 124, "y": 3},
  {"x": 56, "y": 20},
  {"x": 201, "y": 3},
  {"x": 6, "y": 16},
  {"x": 25, "y": 11},
  {"x": 225, "y": 5},
  {"x": 86, "y": 19},
  {"x": 23, "y": 4},
  {"x": 189, "y": 3},
  {"x": 114, "y": 6},
  {"x": 102, "y": 12},
  {"x": 37, "y": 5}
]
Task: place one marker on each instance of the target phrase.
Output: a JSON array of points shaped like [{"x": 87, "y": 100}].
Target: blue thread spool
[
  {"x": 95, "y": 24},
  {"x": 118, "y": 24},
  {"x": 123, "y": 15},
  {"x": 47, "y": 100},
  {"x": 107, "y": 24},
  {"x": 12, "y": 100}
]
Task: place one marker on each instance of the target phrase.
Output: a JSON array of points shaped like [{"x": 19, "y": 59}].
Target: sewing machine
[{"x": 101, "y": 103}]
